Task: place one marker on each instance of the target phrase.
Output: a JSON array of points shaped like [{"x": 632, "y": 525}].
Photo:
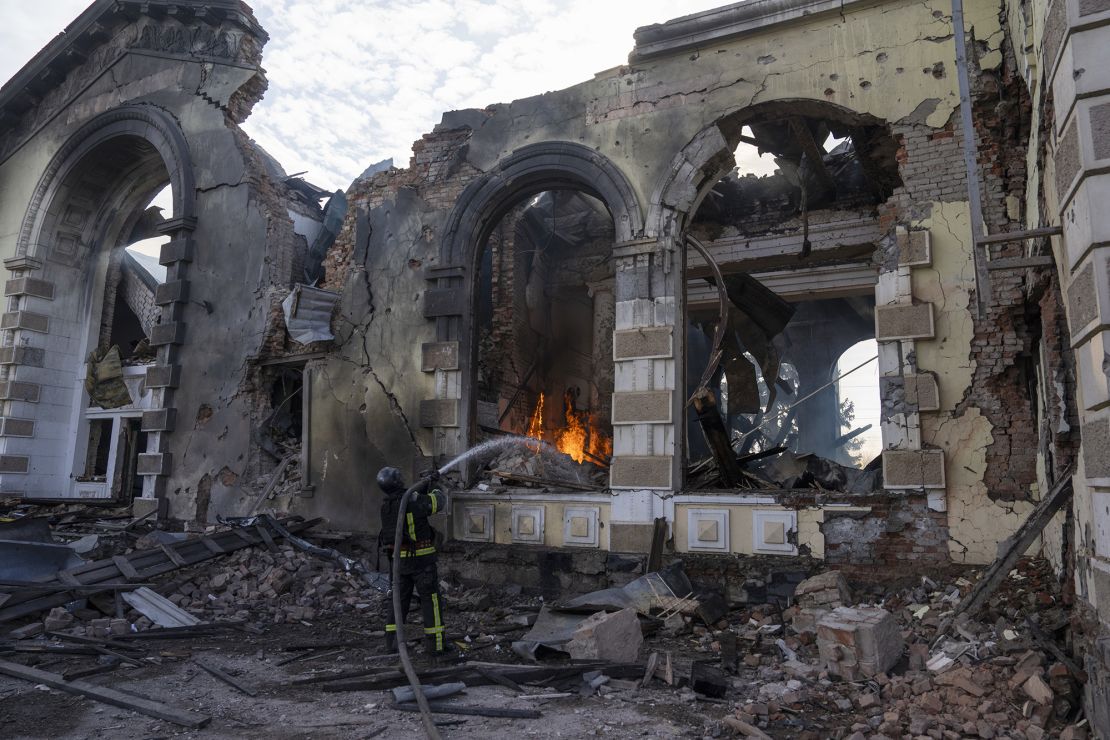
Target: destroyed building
[{"x": 589, "y": 268}]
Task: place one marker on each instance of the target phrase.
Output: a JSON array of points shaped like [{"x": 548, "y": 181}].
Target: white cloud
[{"x": 356, "y": 81}]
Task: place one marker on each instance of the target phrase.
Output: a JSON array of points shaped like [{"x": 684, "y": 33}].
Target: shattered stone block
[
  {"x": 859, "y": 642},
  {"x": 57, "y": 619},
  {"x": 805, "y": 620},
  {"x": 612, "y": 637},
  {"x": 826, "y": 590}
]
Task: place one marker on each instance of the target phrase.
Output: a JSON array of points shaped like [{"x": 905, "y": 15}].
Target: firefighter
[{"x": 418, "y": 553}]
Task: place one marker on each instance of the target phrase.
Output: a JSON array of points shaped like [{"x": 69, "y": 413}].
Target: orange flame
[
  {"x": 581, "y": 438},
  {"x": 535, "y": 425}
]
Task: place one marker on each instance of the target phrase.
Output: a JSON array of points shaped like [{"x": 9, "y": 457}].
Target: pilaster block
[
  {"x": 28, "y": 356},
  {"x": 155, "y": 463},
  {"x": 14, "y": 463},
  {"x": 439, "y": 356},
  {"x": 171, "y": 333},
  {"x": 30, "y": 286},
  {"x": 913, "y": 469},
  {"x": 13, "y": 427},
  {"x": 176, "y": 250},
  {"x": 641, "y": 472},
  {"x": 25, "y": 320},
  {"x": 904, "y": 322},
  {"x": 646, "y": 343},
  {"x": 914, "y": 247},
  {"x": 642, "y": 407},
  {"x": 176, "y": 291},
  {"x": 163, "y": 376},
  {"x": 159, "y": 420},
  {"x": 439, "y": 412},
  {"x": 15, "y": 390}
]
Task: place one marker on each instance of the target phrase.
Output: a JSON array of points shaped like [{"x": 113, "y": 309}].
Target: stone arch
[
  {"x": 86, "y": 203},
  {"x": 530, "y": 170},
  {"x": 708, "y": 157},
  {"x": 145, "y": 122}
]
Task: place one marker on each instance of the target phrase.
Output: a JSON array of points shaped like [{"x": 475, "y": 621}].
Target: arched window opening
[
  {"x": 545, "y": 318},
  {"x": 792, "y": 228},
  {"x": 857, "y": 405}
]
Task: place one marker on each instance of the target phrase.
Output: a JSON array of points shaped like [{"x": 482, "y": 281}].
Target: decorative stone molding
[
  {"x": 707, "y": 530},
  {"x": 475, "y": 523},
  {"x": 913, "y": 469},
  {"x": 904, "y": 322},
  {"x": 16, "y": 390},
  {"x": 439, "y": 356},
  {"x": 439, "y": 412},
  {"x": 641, "y": 472},
  {"x": 163, "y": 376},
  {"x": 527, "y": 524},
  {"x": 643, "y": 343},
  {"x": 13, "y": 427},
  {"x": 159, "y": 420},
  {"x": 915, "y": 247},
  {"x": 636, "y": 407},
  {"x": 25, "y": 320},
  {"x": 580, "y": 526},
  {"x": 29, "y": 286},
  {"x": 774, "y": 532}
]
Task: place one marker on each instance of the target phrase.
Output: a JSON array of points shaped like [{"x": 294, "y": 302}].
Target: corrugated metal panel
[{"x": 308, "y": 314}]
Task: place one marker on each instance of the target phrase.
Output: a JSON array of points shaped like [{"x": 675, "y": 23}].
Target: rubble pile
[
  {"x": 888, "y": 672},
  {"x": 522, "y": 466},
  {"x": 285, "y": 585}
]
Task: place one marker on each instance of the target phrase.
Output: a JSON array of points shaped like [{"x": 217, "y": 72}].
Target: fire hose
[{"x": 402, "y": 649}]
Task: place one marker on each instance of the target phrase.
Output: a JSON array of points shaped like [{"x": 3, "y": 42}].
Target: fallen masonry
[{"x": 271, "y": 624}]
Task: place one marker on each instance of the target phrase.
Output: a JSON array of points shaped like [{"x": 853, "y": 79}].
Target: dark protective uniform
[{"x": 418, "y": 557}]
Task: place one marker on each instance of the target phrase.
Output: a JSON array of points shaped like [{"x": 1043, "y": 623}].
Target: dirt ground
[{"x": 284, "y": 711}]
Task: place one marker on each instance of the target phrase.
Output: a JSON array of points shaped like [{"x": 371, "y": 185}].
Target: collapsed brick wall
[
  {"x": 438, "y": 172},
  {"x": 1004, "y": 340},
  {"x": 899, "y": 533},
  {"x": 140, "y": 299}
]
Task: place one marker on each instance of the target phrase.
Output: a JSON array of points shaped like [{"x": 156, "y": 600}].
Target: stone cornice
[{"x": 713, "y": 26}]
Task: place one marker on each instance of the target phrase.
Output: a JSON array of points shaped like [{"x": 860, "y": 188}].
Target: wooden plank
[
  {"x": 173, "y": 555},
  {"x": 142, "y": 705},
  {"x": 149, "y": 563},
  {"x": 213, "y": 546},
  {"x": 440, "y": 708},
  {"x": 1020, "y": 263},
  {"x": 265, "y": 535},
  {"x": 69, "y": 579},
  {"x": 1015, "y": 547},
  {"x": 126, "y": 569},
  {"x": 814, "y": 154},
  {"x": 159, "y": 609},
  {"x": 218, "y": 673}
]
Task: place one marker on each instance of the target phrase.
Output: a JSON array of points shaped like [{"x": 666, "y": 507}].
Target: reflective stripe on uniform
[
  {"x": 437, "y": 630},
  {"x": 391, "y": 628},
  {"x": 412, "y": 526},
  {"x": 417, "y": 553},
  {"x": 435, "y": 501}
]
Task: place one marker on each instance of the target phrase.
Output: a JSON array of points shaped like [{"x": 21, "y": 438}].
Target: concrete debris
[
  {"x": 614, "y": 637},
  {"x": 856, "y": 643},
  {"x": 826, "y": 590}
]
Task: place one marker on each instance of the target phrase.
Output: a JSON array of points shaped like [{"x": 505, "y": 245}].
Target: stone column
[
  {"x": 646, "y": 403},
  {"x": 1077, "y": 54}
]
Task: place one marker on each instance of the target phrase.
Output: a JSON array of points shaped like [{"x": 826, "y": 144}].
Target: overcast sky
[{"x": 353, "y": 82}]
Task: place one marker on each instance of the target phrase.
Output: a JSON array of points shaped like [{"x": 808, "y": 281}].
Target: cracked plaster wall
[
  {"x": 888, "y": 62},
  {"x": 229, "y": 269}
]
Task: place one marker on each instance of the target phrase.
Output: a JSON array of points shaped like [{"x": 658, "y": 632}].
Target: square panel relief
[
  {"x": 476, "y": 522},
  {"x": 707, "y": 530},
  {"x": 528, "y": 525},
  {"x": 775, "y": 531},
  {"x": 580, "y": 524}
]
